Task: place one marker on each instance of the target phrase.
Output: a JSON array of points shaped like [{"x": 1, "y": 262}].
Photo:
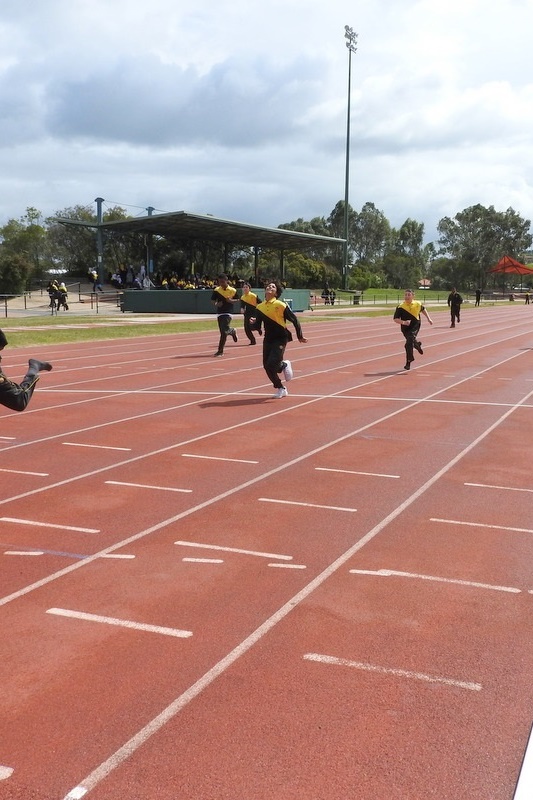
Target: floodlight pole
[
  {"x": 351, "y": 37},
  {"x": 99, "y": 239}
]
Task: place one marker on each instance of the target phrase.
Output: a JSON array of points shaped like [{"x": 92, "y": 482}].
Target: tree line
[{"x": 379, "y": 255}]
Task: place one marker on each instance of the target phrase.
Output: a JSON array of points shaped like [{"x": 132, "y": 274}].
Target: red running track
[{"x": 210, "y": 594}]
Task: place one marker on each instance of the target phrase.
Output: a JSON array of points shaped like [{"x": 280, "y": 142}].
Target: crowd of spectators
[{"x": 131, "y": 278}]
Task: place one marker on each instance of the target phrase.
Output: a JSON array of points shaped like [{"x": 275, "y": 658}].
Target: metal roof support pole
[
  {"x": 99, "y": 239},
  {"x": 226, "y": 257},
  {"x": 150, "y": 247},
  {"x": 256, "y": 265},
  {"x": 282, "y": 265}
]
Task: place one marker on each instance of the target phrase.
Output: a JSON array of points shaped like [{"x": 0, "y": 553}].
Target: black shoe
[
  {"x": 39, "y": 366},
  {"x": 418, "y": 346},
  {"x": 218, "y": 353},
  {"x": 254, "y": 342},
  {"x": 407, "y": 365},
  {"x": 233, "y": 333}
]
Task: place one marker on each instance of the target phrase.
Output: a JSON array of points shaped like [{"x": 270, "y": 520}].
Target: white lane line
[
  {"x": 48, "y": 525},
  {"x": 116, "y": 555},
  {"x": 393, "y": 573},
  {"x": 306, "y": 505},
  {"x": 480, "y": 525},
  {"x": 524, "y": 786},
  {"x": 401, "y": 673},
  {"x": 204, "y": 560},
  {"x": 146, "y": 486},
  {"x": 219, "y": 458},
  {"x": 5, "y": 772},
  {"x": 24, "y": 552},
  {"x": 233, "y": 550},
  {"x": 77, "y": 793},
  {"x": 288, "y": 566},
  {"x": 354, "y": 472},
  {"x": 123, "y": 623},
  {"x": 21, "y": 472},
  {"x": 8, "y": 438},
  {"x": 507, "y": 488},
  {"x": 96, "y": 446}
]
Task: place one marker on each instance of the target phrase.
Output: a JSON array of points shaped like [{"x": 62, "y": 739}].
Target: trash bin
[{"x": 356, "y": 298}]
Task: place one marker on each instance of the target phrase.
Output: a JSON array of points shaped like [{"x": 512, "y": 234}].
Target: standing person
[
  {"x": 407, "y": 315},
  {"x": 62, "y": 297},
  {"x": 17, "y": 396},
  {"x": 52, "y": 290},
  {"x": 454, "y": 302},
  {"x": 527, "y": 298},
  {"x": 95, "y": 280},
  {"x": 274, "y": 314},
  {"x": 223, "y": 297},
  {"x": 478, "y": 296},
  {"x": 249, "y": 302}
]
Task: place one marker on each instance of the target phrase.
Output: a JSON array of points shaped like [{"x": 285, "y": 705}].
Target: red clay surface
[{"x": 208, "y": 593}]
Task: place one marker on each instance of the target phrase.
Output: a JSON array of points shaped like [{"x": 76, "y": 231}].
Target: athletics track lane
[{"x": 365, "y": 685}]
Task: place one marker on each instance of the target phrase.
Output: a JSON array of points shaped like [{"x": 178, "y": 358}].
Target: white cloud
[{"x": 241, "y": 111}]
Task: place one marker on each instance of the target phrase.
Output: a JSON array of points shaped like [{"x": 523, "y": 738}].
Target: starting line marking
[
  {"x": 5, "y": 772},
  {"x": 20, "y": 472},
  {"x": 506, "y": 488},
  {"x": 288, "y": 566},
  {"x": 146, "y": 486},
  {"x": 123, "y": 623},
  {"x": 48, "y": 525},
  {"x": 24, "y": 552},
  {"x": 218, "y": 458},
  {"x": 524, "y": 786},
  {"x": 307, "y": 505},
  {"x": 393, "y": 573},
  {"x": 480, "y": 525},
  {"x": 401, "y": 673},
  {"x": 233, "y": 550},
  {"x": 96, "y": 446},
  {"x": 354, "y": 472},
  {"x": 204, "y": 560}
]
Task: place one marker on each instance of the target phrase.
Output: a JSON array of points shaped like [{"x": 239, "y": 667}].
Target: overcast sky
[{"x": 238, "y": 108}]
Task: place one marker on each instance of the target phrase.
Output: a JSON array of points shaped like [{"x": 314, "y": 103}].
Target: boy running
[
  {"x": 17, "y": 396},
  {"x": 407, "y": 315},
  {"x": 274, "y": 314}
]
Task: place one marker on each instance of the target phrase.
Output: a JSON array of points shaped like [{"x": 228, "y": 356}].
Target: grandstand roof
[{"x": 182, "y": 226}]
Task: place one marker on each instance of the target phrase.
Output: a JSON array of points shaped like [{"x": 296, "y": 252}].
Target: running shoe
[
  {"x": 280, "y": 393},
  {"x": 288, "y": 374}
]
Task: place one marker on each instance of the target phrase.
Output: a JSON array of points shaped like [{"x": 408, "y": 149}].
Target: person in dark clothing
[
  {"x": 478, "y": 297},
  {"x": 249, "y": 302},
  {"x": 407, "y": 315},
  {"x": 223, "y": 298},
  {"x": 454, "y": 302},
  {"x": 17, "y": 396},
  {"x": 274, "y": 314}
]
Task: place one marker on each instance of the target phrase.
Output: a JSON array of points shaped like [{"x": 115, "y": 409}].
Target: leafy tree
[
  {"x": 15, "y": 271},
  {"x": 73, "y": 245},
  {"x": 478, "y": 237},
  {"x": 27, "y": 237},
  {"x": 369, "y": 235}
]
